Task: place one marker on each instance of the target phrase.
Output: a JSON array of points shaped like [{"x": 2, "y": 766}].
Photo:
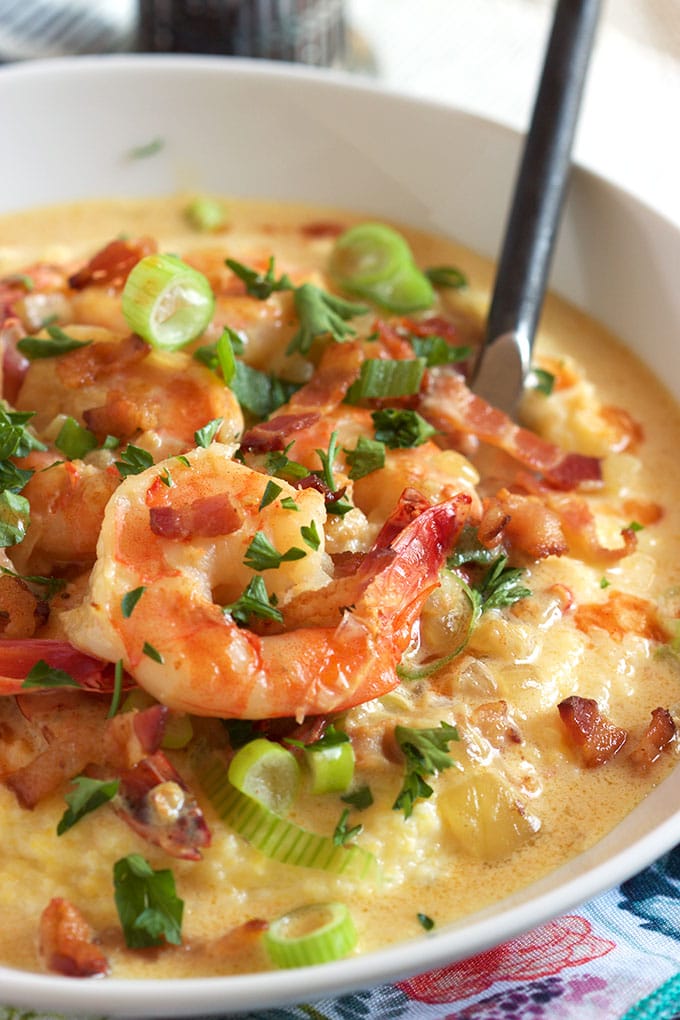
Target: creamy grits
[{"x": 546, "y": 695}]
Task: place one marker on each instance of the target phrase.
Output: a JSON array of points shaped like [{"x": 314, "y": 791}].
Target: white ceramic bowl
[{"x": 263, "y": 130}]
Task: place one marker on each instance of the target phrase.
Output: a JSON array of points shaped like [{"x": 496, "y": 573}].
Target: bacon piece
[
  {"x": 156, "y": 803},
  {"x": 621, "y": 614},
  {"x": 448, "y": 404},
  {"x": 268, "y": 436},
  {"x": 204, "y": 518},
  {"x": 580, "y": 530},
  {"x": 65, "y": 942},
  {"x": 339, "y": 367},
  {"x": 322, "y": 228},
  {"x": 18, "y": 657},
  {"x": 78, "y": 733},
  {"x": 86, "y": 365},
  {"x": 658, "y": 735},
  {"x": 597, "y": 739},
  {"x": 525, "y": 522},
  {"x": 121, "y": 417},
  {"x": 112, "y": 264}
]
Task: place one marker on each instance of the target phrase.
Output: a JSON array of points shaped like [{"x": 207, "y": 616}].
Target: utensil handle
[{"x": 525, "y": 258}]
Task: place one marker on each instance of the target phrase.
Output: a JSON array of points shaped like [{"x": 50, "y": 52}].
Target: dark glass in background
[{"x": 305, "y": 31}]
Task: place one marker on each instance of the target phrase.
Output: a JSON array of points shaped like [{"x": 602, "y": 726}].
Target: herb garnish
[
  {"x": 327, "y": 457},
  {"x": 43, "y": 675},
  {"x": 401, "y": 428},
  {"x": 436, "y": 351},
  {"x": 59, "y": 343},
  {"x": 133, "y": 460},
  {"x": 321, "y": 313},
  {"x": 425, "y": 922},
  {"x": 260, "y": 285},
  {"x": 367, "y": 456},
  {"x": 87, "y": 795},
  {"x": 52, "y": 585},
  {"x": 271, "y": 491},
  {"x": 426, "y": 753},
  {"x": 359, "y": 799},
  {"x": 344, "y": 834},
  {"x": 117, "y": 689},
  {"x": 130, "y": 600},
  {"x": 261, "y": 554},
  {"x": 149, "y": 909},
  {"x": 542, "y": 381},
  {"x": 310, "y": 535},
  {"x": 253, "y": 602},
  {"x": 152, "y": 653},
  {"x": 74, "y": 440},
  {"x": 15, "y": 514},
  {"x": 205, "y": 435}
]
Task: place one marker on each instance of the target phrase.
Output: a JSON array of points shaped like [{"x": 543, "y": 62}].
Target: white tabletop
[{"x": 485, "y": 56}]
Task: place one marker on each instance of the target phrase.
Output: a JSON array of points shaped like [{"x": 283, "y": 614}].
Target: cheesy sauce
[{"x": 518, "y": 799}]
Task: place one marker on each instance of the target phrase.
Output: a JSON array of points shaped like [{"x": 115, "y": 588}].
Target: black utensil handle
[{"x": 540, "y": 187}]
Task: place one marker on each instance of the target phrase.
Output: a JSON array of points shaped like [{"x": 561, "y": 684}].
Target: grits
[{"x": 518, "y": 801}]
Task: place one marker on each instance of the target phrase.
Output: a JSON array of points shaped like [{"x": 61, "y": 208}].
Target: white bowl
[{"x": 260, "y": 130}]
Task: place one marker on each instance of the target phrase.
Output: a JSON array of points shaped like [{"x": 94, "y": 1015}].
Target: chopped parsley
[
  {"x": 436, "y": 351},
  {"x": 133, "y": 460},
  {"x": 149, "y": 909},
  {"x": 87, "y": 795},
  {"x": 59, "y": 342},
  {"x": 501, "y": 586},
  {"x": 74, "y": 440},
  {"x": 205, "y": 435},
  {"x": 261, "y": 554},
  {"x": 542, "y": 381},
  {"x": 343, "y": 833},
  {"x": 117, "y": 689},
  {"x": 52, "y": 585},
  {"x": 43, "y": 675},
  {"x": 260, "y": 285},
  {"x": 152, "y": 653},
  {"x": 359, "y": 799},
  {"x": 425, "y": 922},
  {"x": 271, "y": 491},
  {"x": 401, "y": 428},
  {"x": 130, "y": 600},
  {"x": 253, "y": 602},
  {"x": 426, "y": 753},
  {"x": 278, "y": 463},
  {"x": 321, "y": 314},
  {"x": 310, "y": 535},
  {"x": 367, "y": 456},
  {"x": 15, "y": 514}
]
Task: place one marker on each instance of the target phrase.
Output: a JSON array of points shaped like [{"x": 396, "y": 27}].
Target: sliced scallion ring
[
  {"x": 374, "y": 261},
  {"x": 279, "y": 838},
  {"x": 267, "y": 772},
  {"x": 317, "y": 933},
  {"x": 331, "y": 768},
  {"x": 166, "y": 301}
]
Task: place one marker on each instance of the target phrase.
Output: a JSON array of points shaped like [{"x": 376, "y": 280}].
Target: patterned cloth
[{"x": 616, "y": 958}]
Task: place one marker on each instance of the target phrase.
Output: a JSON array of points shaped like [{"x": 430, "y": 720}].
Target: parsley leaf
[
  {"x": 130, "y": 600},
  {"x": 253, "y": 602},
  {"x": 88, "y": 795},
  {"x": 327, "y": 458},
  {"x": 149, "y": 909},
  {"x": 52, "y": 585},
  {"x": 271, "y": 491},
  {"x": 310, "y": 535},
  {"x": 205, "y": 436},
  {"x": 133, "y": 460},
  {"x": 401, "y": 428},
  {"x": 15, "y": 512},
  {"x": 542, "y": 381},
  {"x": 15, "y": 438},
  {"x": 367, "y": 456},
  {"x": 117, "y": 689},
  {"x": 359, "y": 799},
  {"x": 261, "y": 554},
  {"x": 425, "y": 922},
  {"x": 502, "y": 586},
  {"x": 59, "y": 343},
  {"x": 12, "y": 478},
  {"x": 344, "y": 834},
  {"x": 436, "y": 351},
  {"x": 74, "y": 440},
  {"x": 321, "y": 313},
  {"x": 152, "y": 653},
  {"x": 277, "y": 463},
  {"x": 426, "y": 753},
  {"x": 259, "y": 285},
  {"x": 42, "y": 675}
]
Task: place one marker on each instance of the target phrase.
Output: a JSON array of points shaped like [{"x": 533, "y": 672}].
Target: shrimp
[
  {"x": 189, "y": 560},
  {"x": 119, "y": 386}
]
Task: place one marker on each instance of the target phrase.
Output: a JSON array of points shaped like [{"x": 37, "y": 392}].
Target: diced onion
[
  {"x": 167, "y": 302},
  {"x": 316, "y": 933}
]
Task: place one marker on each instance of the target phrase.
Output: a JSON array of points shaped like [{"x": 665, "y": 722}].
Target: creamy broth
[{"x": 447, "y": 859}]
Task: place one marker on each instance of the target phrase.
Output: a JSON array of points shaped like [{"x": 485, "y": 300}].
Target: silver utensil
[{"x": 504, "y": 359}]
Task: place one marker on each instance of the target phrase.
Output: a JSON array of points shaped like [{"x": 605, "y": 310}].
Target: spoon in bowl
[{"x": 504, "y": 359}]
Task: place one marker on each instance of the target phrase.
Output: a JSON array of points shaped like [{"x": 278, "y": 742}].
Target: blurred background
[{"x": 482, "y": 55}]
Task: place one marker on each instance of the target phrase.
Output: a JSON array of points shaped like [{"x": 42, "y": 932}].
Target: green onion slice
[
  {"x": 267, "y": 772},
  {"x": 278, "y": 838},
  {"x": 374, "y": 261},
  {"x": 316, "y": 933},
  {"x": 331, "y": 767},
  {"x": 167, "y": 302}
]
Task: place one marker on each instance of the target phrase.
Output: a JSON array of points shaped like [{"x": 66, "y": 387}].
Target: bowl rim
[{"x": 189, "y": 996}]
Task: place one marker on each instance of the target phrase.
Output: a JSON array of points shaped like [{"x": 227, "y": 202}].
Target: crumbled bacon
[
  {"x": 322, "y": 228},
  {"x": 268, "y": 436},
  {"x": 86, "y": 365},
  {"x": 65, "y": 942},
  {"x": 597, "y": 739},
  {"x": 339, "y": 367},
  {"x": 113, "y": 263},
  {"x": 448, "y": 404},
  {"x": 658, "y": 735},
  {"x": 204, "y": 518},
  {"x": 156, "y": 803},
  {"x": 621, "y": 614}
]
